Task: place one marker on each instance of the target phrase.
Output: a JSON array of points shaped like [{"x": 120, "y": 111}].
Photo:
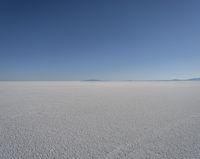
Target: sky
[{"x": 99, "y": 39}]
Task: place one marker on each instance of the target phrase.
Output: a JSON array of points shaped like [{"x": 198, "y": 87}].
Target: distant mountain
[
  {"x": 176, "y": 79},
  {"x": 93, "y": 80},
  {"x": 194, "y": 79},
  {"x": 191, "y": 79}
]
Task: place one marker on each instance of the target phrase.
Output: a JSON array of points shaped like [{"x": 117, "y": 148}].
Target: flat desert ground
[{"x": 100, "y": 120}]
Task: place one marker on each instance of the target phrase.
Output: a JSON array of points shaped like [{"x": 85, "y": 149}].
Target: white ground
[{"x": 92, "y": 120}]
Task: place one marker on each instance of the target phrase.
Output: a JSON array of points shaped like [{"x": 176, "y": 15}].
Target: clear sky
[{"x": 101, "y": 39}]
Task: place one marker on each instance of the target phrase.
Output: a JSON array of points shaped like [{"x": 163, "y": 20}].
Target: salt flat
[{"x": 97, "y": 120}]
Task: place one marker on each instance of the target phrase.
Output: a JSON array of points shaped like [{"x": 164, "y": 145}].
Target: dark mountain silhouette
[{"x": 194, "y": 79}]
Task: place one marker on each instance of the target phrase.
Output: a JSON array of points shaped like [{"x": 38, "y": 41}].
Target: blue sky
[{"x": 106, "y": 39}]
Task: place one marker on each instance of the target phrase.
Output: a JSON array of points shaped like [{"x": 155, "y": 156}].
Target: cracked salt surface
[{"x": 97, "y": 120}]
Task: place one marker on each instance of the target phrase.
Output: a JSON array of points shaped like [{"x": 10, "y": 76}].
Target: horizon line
[{"x": 97, "y": 80}]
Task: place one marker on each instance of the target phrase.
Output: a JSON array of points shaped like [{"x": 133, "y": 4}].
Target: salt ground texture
[{"x": 100, "y": 120}]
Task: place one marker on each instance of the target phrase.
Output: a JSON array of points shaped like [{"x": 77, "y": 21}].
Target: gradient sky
[{"x": 101, "y": 39}]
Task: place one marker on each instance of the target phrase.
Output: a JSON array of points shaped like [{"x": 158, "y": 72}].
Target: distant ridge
[
  {"x": 194, "y": 79},
  {"x": 99, "y": 80},
  {"x": 191, "y": 79},
  {"x": 93, "y": 80},
  {"x": 176, "y": 79}
]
